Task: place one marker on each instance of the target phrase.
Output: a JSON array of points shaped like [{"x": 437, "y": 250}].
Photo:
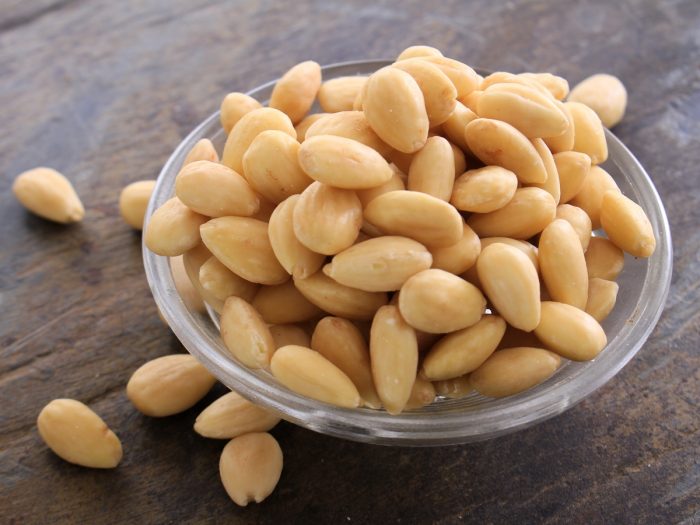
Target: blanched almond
[
  {"x": 221, "y": 283},
  {"x": 283, "y": 303},
  {"x": 579, "y": 220},
  {"x": 465, "y": 350},
  {"x": 232, "y": 415},
  {"x": 589, "y": 133},
  {"x": 234, "y": 106},
  {"x": 303, "y": 127},
  {"x": 422, "y": 394},
  {"x": 202, "y": 150},
  {"x": 395, "y": 108},
  {"x": 502, "y": 77},
  {"x": 627, "y": 225},
  {"x": 291, "y": 254},
  {"x": 394, "y": 358},
  {"x": 338, "y": 299},
  {"x": 563, "y": 265},
  {"x": 590, "y": 197},
  {"x": 351, "y": 125},
  {"x": 565, "y": 141},
  {"x": 417, "y": 215},
  {"x": 551, "y": 185},
  {"x": 528, "y": 249},
  {"x": 511, "y": 283},
  {"x": 78, "y": 435},
  {"x": 556, "y": 85},
  {"x": 308, "y": 373},
  {"x": 187, "y": 291},
  {"x": 246, "y": 334},
  {"x": 379, "y": 265},
  {"x": 570, "y": 332},
  {"x": 339, "y": 94},
  {"x": 418, "y": 51},
  {"x": 602, "y": 296},
  {"x": 439, "y": 92},
  {"x": 173, "y": 229},
  {"x": 193, "y": 260},
  {"x": 513, "y": 370},
  {"x": 572, "y": 167},
  {"x": 133, "y": 202},
  {"x": 250, "y": 467},
  {"x": 48, "y": 194},
  {"x": 326, "y": 219},
  {"x": 271, "y": 166},
  {"x": 212, "y": 189},
  {"x": 295, "y": 92},
  {"x": 432, "y": 169},
  {"x": 436, "y": 301},
  {"x": 498, "y": 143},
  {"x": 604, "y": 94},
  {"x": 243, "y": 246},
  {"x": 459, "y": 257},
  {"x": 528, "y": 213},
  {"x": 339, "y": 341},
  {"x": 455, "y": 125},
  {"x": 395, "y": 183},
  {"x": 168, "y": 385},
  {"x": 484, "y": 190},
  {"x": 604, "y": 259},
  {"x": 462, "y": 76}
]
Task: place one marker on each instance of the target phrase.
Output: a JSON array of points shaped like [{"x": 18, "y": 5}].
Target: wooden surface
[{"x": 103, "y": 91}]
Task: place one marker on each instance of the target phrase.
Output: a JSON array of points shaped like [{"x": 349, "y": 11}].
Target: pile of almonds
[{"x": 442, "y": 219}]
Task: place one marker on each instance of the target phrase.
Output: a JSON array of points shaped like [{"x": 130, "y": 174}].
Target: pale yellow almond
[
  {"x": 308, "y": 373},
  {"x": 232, "y": 415},
  {"x": 417, "y": 215},
  {"x": 573, "y": 168},
  {"x": 432, "y": 169},
  {"x": 340, "y": 341},
  {"x": 462, "y": 76},
  {"x": 484, "y": 190},
  {"x": 579, "y": 220},
  {"x": 291, "y": 254},
  {"x": 214, "y": 190},
  {"x": 382, "y": 264},
  {"x": 551, "y": 185},
  {"x": 78, "y": 435},
  {"x": 436, "y": 301},
  {"x": 524, "y": 246},
  {"x": 502, "y": 77},
  {"x": 338, "y": 299},
  {"x": 589, "y": 133},
  {"x": 271, "y": 166},
  {"x": 193, "y": 260},
  {"x": 395, "y": 183},
  {"x": 418, "y": 51},
  {"x": 453, "y": 388},
  {"x": 472, "y": 100},
  {"x": 565, "y": 141},
  {"x": 602, "y": 296},
  {"x": 460, "y": 160},
  {"x": 221, "y": 283},
  {"x": 351, "y": 125},
  {"x": 604, "y": 94},
  {"x": 530, "y": 112},
  {"x": 603, "y": 259},
  {"x": 570, "y": 332},
  {"x": 562, "y": 264},
  {"x": 528, "y": 213},
  {"x": 133, "y": 202},
  {"x": 247, "y": 128},
  {"x": 512, "y": 370},
  {"x": 498, "y": 143},
  {"x": 187, "y": 291},
  {"x": 627, "y": 225},
  {"x": 343, "y": 163},
  {"x": 295, "y": 92},
  {"x": 394, "y": 358},
  {"x": 246, "y": 334},
  {"x": 327, "y": 219},
  {"x": 289, "y": 334},
  {"x": 233, "y": 107},
  {"x": 395, "y": 108},
  {"x": 168, "y": 385},
  {"x": 202, "y": 150},
  {"x": 339, "y": 94},
  {"x": 243, "y": 246},
  {"x": 48, "y": 194},
  {"x": 465, "y": 350},
  {"x": 556, "y": 85},
  {"x": 283, "y": 303},
  {"x": 455, "y": 125},
  {"x": 173, "y": 229},
  {"x": 457, "y": 258},
  {"x": 303, "y": 127},
  {"x": 359, "y": 99},
  {"x": 422, "y": 394},
  {"x": 511, "y": 283},
  {"x": 590, "y": 197},
  {"x": 439, "y": 93},
  {"x": 250, "y": 467}
]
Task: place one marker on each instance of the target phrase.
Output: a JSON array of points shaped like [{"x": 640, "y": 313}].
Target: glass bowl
[{"x": 644, "y": 285}]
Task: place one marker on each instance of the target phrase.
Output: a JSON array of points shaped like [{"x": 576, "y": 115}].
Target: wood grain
[{"x": 103, "y": 91}]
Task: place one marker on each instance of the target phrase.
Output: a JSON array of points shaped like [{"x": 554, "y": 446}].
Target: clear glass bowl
[{"x": 644, "y": 285}]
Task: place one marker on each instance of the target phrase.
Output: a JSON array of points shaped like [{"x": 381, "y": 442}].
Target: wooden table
[{"x": 103, "y": 91}]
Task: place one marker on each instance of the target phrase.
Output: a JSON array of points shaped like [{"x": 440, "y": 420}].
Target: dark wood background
[{"x": 103, "y": 91}]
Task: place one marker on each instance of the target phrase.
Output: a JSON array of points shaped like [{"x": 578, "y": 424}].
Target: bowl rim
[{"x": 424, "y": 427}]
